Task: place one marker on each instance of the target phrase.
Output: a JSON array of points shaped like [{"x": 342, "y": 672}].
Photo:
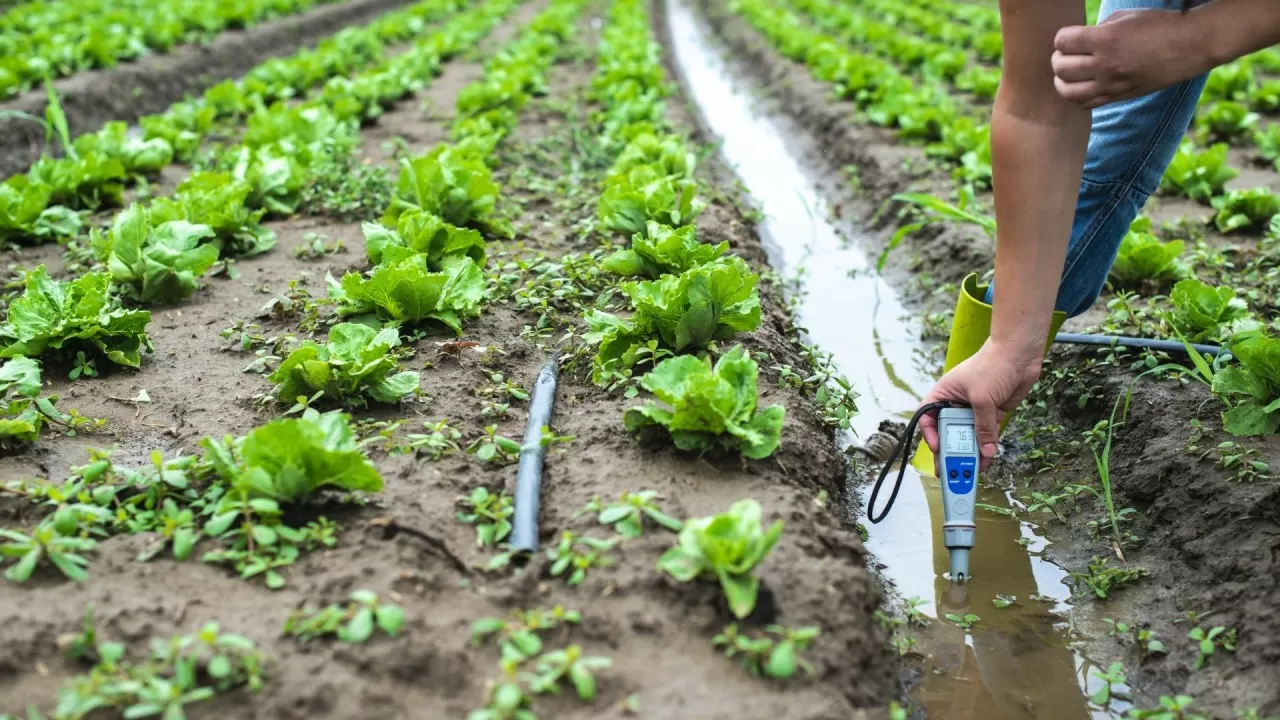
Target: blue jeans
[{"x": 1130, "y": 146}]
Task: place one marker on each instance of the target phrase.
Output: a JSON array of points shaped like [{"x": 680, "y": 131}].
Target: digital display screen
[{"x": 959, "y": 440}]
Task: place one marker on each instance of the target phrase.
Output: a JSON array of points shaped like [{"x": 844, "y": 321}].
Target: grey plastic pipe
[
  {"x": 524, "y": 524},
  {"x": 1173, "y": 346}
]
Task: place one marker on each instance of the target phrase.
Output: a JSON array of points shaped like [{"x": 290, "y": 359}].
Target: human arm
[
  {"x": 1038, "y": 142},
  {"x": 1136, "y": 52}
]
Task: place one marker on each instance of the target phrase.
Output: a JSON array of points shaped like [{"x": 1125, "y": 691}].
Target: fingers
[
  {"x": 929, "y": 428},
  {"x": 1075, "y": 40},
  {"x": 1081, "y": 93},
  {"x": 986, "y": 420},
  {"x": 1074, "y": 68}
]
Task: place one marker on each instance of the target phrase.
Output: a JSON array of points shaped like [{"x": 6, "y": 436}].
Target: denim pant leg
[{"x": 1131, "y": 143}]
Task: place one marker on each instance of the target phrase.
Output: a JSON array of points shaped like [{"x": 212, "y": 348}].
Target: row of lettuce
[
  {"x": 427, "y": 253},
  {"x": 55, "y": 38},
  {"x": 155, "y": 252}
]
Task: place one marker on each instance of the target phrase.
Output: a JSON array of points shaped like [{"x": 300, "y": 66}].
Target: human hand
[
  {"x": 1130, "y": 54},
  {"x": 992, "y": 382}
]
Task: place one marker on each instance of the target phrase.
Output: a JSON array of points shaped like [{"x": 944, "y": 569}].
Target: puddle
[{"x": 1016, "y": 662}]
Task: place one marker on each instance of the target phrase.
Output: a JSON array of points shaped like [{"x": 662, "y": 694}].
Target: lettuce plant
[
  {"x": 427, "y": 233},
  {"x": 26, "y": 216},
  {"x": 663, "y": 250},
  {"x": 80, "y": 314},
  {"x": 1265, "y": 97},
  {"x": 403, "y": 291},
  {"x": 155, "y": 262},
  {"x": 666, "y": 153},
  {"x": 1232, "y": 81},
  {"x": 710, "y": 407},
  {"x": 1198, "y": 175},
  {"x": 1267, "y": 141},
  {"x": 22, "y": 410},
  {"x": 1225, "y": 120},
  {"x": 1252, "y": 387},
  {"x": 683, "y": 312},
  {"x": 455, "y": 185},
  {"x": 276, "y": 177},
  {"x": 645, "y": 193},
  {"x": 1202, "y": 312},
  {"x": 218, "y": 200},
  {"x": 728, "y": 546},
  {"x": 182, "y": 126},
  {"x": 138, "y": 156},
  {"x": 357, "y": 364},
  {"x": 1245, "y": 209},
  {"x": 85, "y": 182},
  {"x": 1144, "y": 257},
  {"x": 291, "y": 458}
]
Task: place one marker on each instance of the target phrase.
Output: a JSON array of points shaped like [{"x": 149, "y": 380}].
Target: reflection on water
[{"x": 1015, "y": 663}]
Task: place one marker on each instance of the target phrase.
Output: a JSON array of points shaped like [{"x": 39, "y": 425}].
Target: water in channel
[{"x": 1015, "y": 663}]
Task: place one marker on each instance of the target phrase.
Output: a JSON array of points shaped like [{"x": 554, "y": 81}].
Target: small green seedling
[
  {"x": 1047, "y": 503},
  {"x": 1142, "y": 638},
  {"x": 1103, "y": 579},
  {"x": 912, "y": 608},
  {"x": 579, "y": 553},
  {"x": 489, "y": 512},
  {"x": 501, "y": 388},
  {"x": 1170, "y": 708},
  {"x": 519, "y": 640},
  {"x": 1004, "y": 601},
  {"x": 775, "y": 655},
  {"x": 495, "y": 448},
  {"x": 628, "y": 514},
  {"x": 507, "y": 701},
  {"x": 53, "y": 541},
  {"x": 1114, "y": 684},
  {"x": 728, "y": 547},
  {"x": 903, "y": 644},
  {"x": 1209, "y": 642},
  {"x": 554, "y": 667},
  {"x": 964, "y": 622},
  {"x": 439, "y": 440},
  {"x": 353, "y": 624},
  {"x": 83, "y": 366}
]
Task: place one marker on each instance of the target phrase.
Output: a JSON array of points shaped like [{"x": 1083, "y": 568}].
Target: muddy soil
[
  {"x": 153, "y": 83},
  {"x": 657, "y": 632},
  {"x": 1211, "y": 544}
]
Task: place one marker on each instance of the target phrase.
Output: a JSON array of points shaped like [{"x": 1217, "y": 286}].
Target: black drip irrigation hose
[
  {"x": 524, "y": 524},
  {"x": 1172, "y": 346}
]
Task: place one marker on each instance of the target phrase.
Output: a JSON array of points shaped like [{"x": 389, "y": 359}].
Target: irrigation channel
[{"x": 1016, "y": 662}]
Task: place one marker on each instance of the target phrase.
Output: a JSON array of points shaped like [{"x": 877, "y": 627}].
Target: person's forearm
[
  {"x": 1235, "y": 28},
  {"x": 1037, "y": 158}
]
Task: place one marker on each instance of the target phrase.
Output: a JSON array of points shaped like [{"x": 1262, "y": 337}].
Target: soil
[
  {"x": 406, "y": 545},
  {"x": 151, "y": 84},
  {"x": 1211, "y": 544}
]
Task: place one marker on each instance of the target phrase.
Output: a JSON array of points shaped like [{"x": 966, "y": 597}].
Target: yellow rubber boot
[{"x": 969, "y": 330}]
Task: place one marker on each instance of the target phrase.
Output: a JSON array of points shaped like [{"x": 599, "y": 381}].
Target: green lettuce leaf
[
  {"x": 183, "y": 126},
  {"x": 356, "y": 364},
  {"x": 1143, "y": 257},
  {"x": 26, "y": 217},
  {"x": 87, "y": 182},
  {"x": 290, "y": 458},
  {"x": 632, "y": 199},
  {"x": 455, "y": 185},
  {"x": 427, "y": 233},
  {"x": 728, "y": 546},
  {"x": 218, "y": 200},
  {"x": 158, "y": 263},
  {"x": 403, "y": 291},
  {"x": 709, "y": 407},
  {"x": 663, "y": 250},
  {"x": 80, "y": 314},
  {"x": 1245, "y": 209},
  {"x": 22, "y": 410},
  {"x": 275, "y": 176},
  {"x": 1252, "y": 388},
  {"x": 1202, "y": 312},
  {"x": 666, "y": 154},
  {"x": 138, "y": 156}
]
